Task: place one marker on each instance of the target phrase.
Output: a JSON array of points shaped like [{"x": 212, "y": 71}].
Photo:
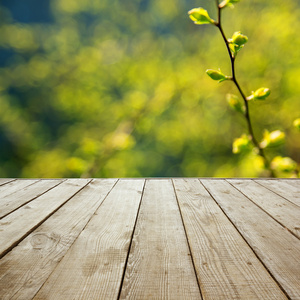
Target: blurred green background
[{"x": 117, "y": 88}]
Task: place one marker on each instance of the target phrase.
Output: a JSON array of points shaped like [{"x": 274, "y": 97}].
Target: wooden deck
[{"x": 180, "y": 239}]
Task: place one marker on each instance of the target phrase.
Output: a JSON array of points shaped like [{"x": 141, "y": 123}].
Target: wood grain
[
  {"x": 159, "y": 265},
  {"x": 94, "y": 265},
  {"x": 27, "y": 266},
  {"x": 17, "y": 225},
  {"x": 226, "y": 266},
  {"x": 5, "y": 180},
  {"x": 276, "y": 247},
  {"x": 25, "y": 195},
  {"x": 283, "y": 188},
  {"x": 14, "y": 186},
  {"x": 285, "y": 212},
  {"x": 98, "y": 239},
  {"x": 291, "y": 181}
]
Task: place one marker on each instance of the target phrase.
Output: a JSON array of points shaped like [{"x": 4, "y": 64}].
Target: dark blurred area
[{"x": 29, "y": 11}]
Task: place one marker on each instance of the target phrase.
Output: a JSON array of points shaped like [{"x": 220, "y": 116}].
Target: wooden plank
[
  {"x": 27, "y": 266},
  {"x": 283, "y": 188},
  {"x": 14, "y": 186},
  {"x": 22, "y": 196},
  {"x": 94, "y": 266},
  {"x": 276, "y": 247},
  {"x": 285, "y": 212},
  {"x": 292, "y": 181},
  {"x": 226, "y": 266},
  {"x": 159, "y": 265},
  {"x": 6, "y": 180},
  {"x": 21, "y": 222}
]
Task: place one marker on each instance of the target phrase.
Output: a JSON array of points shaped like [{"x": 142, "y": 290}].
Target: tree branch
[{"x": 233, "y": 78}]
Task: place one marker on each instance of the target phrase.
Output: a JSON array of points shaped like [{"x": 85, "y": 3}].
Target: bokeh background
[{"x": 117, "y": 88}]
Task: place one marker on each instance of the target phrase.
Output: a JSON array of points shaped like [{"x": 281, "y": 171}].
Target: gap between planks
[
  {"x": 226, "y": 266},
  {"x": 185, "y": 212},
  {"x": 22, "y": 196},
  {"x": 17, "y": 225},
  {"x": 25, "y": 269},
  {"x": 159, "y": 264},
  {"x": 280, "y": 209},
  {"x": 97, "y": 257},
  {"x": 275, "y": 246}
]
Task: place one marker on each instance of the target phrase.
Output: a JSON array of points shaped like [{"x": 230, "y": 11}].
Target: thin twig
[{"x": 234, "y": 79}]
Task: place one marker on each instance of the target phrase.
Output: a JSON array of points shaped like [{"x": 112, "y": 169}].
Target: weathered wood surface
[
  {"x": 24, "y": 195},
  {"x": 285, "y": 212},
  {"x": 183, "y": 238},
  {"x": 288, "y": 189},
  {"x": 21, "y": 222},
  {"x": 159, "y": 264},
  {"x": 94, "y": 266},
  {"x": 224, "y": 261},
  {"x": 5, "y": 180}
]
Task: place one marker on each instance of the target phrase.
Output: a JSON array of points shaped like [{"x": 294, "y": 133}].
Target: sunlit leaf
[{"x": 200, "y": 16}]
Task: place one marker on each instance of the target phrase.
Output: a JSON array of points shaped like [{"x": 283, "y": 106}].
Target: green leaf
[
  {"x": 283, "y": 164},
  {"x": 272, "y": 139},
  {"x": 217, "y": 75},
  {"x": 200, "y": 16},
  {"x": 239, "y": 39},
  {"x": 235, "y": 103},
  {"x": 237, "y": 42},
  {"x": 242, "y": 144},
  {"x": 296, "y": 123},
  {"x": 228, "y": 3},
  {"x": 260, "y": 94},
  {"x": 235, "y": 48}
]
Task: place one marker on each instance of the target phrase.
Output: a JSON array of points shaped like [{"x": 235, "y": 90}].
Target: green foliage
[
  {"x": 225, "y": 3},
  {"x": 272, "y": 139},
  {"x": 238, "y": 39},
  {"x": 260, "y": 94},
  {"x": 115, "y": 88},
  {"x": 237, "y": 42},
  {"x": 296, "y": 123},
  {"x": 246, "y": 142},
  {"x": 242, "y": 144},
  {"x": 216, "y": 75},
  {"x": 284, "y": 164},
  {"x": 235, "y": 103},
  {"x": 200, "y": 16}
]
